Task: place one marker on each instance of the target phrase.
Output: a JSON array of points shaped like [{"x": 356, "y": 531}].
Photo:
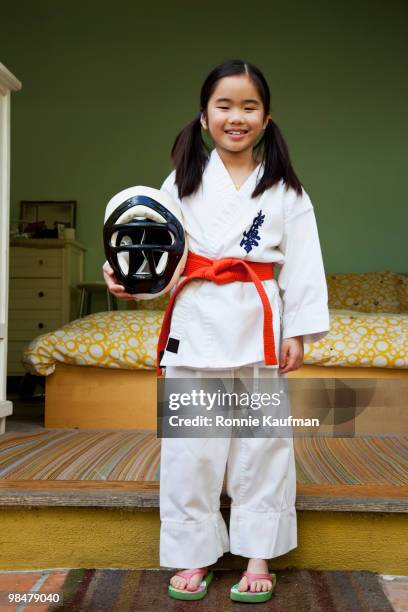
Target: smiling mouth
[{"x": 236, "y": 132}]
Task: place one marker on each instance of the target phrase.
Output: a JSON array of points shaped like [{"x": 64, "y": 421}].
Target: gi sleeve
[
  {"x": 302, "y": 279},
  {"x": 169, "y": 185}
]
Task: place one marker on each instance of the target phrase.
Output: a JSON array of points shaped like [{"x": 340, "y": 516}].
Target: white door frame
[{"x": 8, "y": 83}]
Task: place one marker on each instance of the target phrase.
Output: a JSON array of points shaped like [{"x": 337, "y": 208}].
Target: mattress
[{"x": 128, "y": 339}]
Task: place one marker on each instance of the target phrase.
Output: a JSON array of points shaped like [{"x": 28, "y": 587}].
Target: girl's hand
[
  {"x": 113, "y": 285},
  {"x": 291, "y": 357}
]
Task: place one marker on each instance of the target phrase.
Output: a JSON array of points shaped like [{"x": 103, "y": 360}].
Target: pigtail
[
  {"x": 189, "y": 155},
  {"x": 276, "y": 160}
]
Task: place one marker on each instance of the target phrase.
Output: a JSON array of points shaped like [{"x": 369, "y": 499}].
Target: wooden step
[
  {"x": 141, "y": 495},
  {"x": 125, "y": 537}
]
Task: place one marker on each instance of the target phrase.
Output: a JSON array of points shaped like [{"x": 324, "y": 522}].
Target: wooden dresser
[{"x": 42, "y": 293}]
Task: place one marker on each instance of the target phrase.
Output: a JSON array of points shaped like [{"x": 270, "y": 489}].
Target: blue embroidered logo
[{"x": 251, "y": 237}]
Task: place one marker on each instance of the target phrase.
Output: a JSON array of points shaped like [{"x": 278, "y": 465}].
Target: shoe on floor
[
  {"x": 200, "y": 592},
  {"x": 248, "y": 596}
]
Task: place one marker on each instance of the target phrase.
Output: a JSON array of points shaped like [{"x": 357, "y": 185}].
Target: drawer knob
[
  {"x": 40, "y": 325},
  {"x": 41, "y": 294},
  {"x": 41, "y": 261}
]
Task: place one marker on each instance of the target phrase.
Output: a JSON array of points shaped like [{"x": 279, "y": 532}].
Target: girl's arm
[{"x": 302, "y": 279}]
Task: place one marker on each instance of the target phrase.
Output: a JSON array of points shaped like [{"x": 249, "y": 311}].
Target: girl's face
[{"x": 235, "y": 115}]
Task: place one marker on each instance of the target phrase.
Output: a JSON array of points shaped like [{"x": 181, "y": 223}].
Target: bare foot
[
  {"x": 256, "y": 566},
  {"x": 180, "y": 583}
]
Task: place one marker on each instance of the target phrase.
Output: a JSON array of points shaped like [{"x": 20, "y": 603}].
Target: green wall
[{"x": 107, "y": 85}]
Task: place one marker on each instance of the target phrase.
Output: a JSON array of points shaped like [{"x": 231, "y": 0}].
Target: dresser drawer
[
  {"x": 25, "y": 325},
  {"x": 36, "y": 294},
  {"x": 35, "y": 263}
]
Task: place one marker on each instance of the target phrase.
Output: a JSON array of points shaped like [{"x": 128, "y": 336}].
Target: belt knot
[
  {"x": 217, "y": 268},
  {"x": 222, "y": 271}
]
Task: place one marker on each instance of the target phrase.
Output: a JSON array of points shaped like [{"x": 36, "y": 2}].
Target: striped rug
[
  {"x": 134, "y": 455},
  {"x": 146, "y": 590}
]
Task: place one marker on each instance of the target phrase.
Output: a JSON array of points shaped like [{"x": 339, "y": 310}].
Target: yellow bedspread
[
  {"x": 362, "y": 339},
  {"x": 127, "y": 340},
  {"x": 118, "y": 339}
]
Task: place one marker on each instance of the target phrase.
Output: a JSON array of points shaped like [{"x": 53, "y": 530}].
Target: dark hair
[{"x": 190, "y": 153}]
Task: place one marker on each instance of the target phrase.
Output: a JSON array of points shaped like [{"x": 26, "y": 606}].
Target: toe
[
  {"x": 195, "y": 581},
  {"x": 178, "y": 582},
  {"x": 243, "y": 584}
]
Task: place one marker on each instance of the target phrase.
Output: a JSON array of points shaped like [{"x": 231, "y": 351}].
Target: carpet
[
  {"x": 134, "y": 455},
  {"x": 146, "y": 590}
]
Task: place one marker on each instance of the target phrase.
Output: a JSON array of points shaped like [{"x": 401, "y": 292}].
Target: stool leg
[
  {"x": 108, "y": 300},
  {"x": 82, "y": 303},
  {"x": 89, "y": 302},
  {"x": 111, "y": 301}
]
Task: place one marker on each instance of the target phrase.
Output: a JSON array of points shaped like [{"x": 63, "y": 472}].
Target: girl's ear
[{"x": 203, "y": 121}]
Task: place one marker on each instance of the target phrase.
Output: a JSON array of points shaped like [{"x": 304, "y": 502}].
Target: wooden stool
[{"x": 87, "y": 289}]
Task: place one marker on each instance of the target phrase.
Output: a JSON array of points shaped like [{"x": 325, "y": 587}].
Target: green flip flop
[
  {"x": 201, "y": 591},
  {"x": 249, "y": 596}
]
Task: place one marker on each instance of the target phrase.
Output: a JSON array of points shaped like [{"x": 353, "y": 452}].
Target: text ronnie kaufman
[{"x": 249, "y": 421}]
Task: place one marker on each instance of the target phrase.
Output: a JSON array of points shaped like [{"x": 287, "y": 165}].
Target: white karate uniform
[
  {"x": 219, "y": 329},
  {"x": 221, "y": 326}
]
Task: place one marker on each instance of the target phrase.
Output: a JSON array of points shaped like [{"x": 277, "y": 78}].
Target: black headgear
[{"x": 144, "y": 240}]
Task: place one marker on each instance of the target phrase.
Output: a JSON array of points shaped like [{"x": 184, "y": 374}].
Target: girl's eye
[{"x": 227, "y": 108}]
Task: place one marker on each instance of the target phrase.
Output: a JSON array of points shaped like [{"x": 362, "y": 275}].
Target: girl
[{"x": 244, "y": 201}]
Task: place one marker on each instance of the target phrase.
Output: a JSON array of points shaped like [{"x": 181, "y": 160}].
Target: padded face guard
[{"x": 144, "y": 250}]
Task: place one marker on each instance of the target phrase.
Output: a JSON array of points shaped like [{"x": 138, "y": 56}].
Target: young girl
[{"x": 244, "y": 201}]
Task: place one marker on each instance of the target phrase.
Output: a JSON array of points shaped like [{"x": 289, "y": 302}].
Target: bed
[{"x": 100, "y": 370}]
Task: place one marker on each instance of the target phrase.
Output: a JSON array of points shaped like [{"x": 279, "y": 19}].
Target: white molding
[
  {"x": 8, "y": 82},
  {"x": 6, "y": 408}
]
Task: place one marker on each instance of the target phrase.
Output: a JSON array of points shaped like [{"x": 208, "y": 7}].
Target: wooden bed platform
[{"x": 87, "y": 397}]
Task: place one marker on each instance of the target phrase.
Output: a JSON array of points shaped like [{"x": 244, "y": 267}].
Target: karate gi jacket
[{"x": 221, "y": 326}]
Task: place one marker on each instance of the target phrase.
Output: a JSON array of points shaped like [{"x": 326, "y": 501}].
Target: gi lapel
[
  {"x": 247, "y": 187},
  {"x": 231, "y": 208}
]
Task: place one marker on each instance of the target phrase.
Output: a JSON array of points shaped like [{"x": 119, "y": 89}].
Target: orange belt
[{"x": 222, "y": 271}]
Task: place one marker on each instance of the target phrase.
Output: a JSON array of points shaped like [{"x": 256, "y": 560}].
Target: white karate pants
[{"x": 261, "y": 482}]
